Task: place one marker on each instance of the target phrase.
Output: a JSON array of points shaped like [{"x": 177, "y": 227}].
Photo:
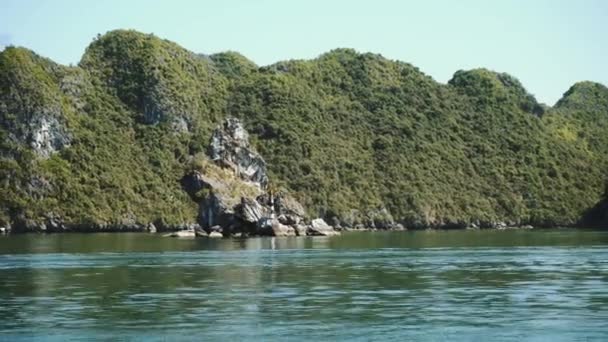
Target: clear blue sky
[{"x": 547, "y": 44}]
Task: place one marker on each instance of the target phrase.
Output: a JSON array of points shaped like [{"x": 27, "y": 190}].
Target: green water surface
[{"x": 546, "y": 285}]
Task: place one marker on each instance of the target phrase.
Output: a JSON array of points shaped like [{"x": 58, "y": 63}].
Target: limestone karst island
[
  {"x": 197, "y": 170},
  {"x": 145, "y": 135}
]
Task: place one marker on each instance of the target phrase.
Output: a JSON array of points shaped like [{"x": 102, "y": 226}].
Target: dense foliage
[{"x": 353, "y": 136}]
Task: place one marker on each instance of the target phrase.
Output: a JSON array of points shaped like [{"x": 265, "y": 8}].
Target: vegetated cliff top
[{"x": 583, "y": 94}]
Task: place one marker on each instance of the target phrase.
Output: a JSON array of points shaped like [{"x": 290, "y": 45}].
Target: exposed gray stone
[
  {"x": 54, "y": 223},
  {"x": 38, "y": 187},
  {"x": 216, "y": 228},
  {"x": 200, "y": 232},
  {"x": 291, "y": 210},
  {"x": 279, "y": 229},
  {"x": 230, "y": 148},
  {"x": 216, "y": 235},
  {"x": 272, "y": 227},
  {"x": 47, "y": 135},
  {"x": 301, "y": 229},
  {"x": 223, "y": 206},
  {"x": 381, "y": 219},
  {"x": 500, "y": 225},
  {"x": 179, "y": 125},
  {"x": 214, "y": 211},
  {"x": 264, "y": 227},
  {"x": 151, "y": 228},
  {"x": 184, "y": 234},
  {"x": 320, "y": 227},
  {"x": 399, "y": 226},
  {"x": 251, "y": 210}
]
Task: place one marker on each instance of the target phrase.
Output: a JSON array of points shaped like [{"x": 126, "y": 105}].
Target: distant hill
[{"x": 357, "y": 138}]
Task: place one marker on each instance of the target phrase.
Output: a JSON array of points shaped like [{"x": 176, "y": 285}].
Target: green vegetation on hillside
[{"x": 353, "y": 136}]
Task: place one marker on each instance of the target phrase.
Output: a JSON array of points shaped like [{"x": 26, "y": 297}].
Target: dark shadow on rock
[{"x": 596, "y": 217}]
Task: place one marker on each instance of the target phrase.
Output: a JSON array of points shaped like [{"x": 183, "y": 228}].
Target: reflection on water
[{"x": 549, "y": 285}]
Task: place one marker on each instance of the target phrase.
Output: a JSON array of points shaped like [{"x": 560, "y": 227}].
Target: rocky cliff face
[
  {"x": 32, "y": 103},
  {"x": 232, "y": 192},
  {"x": 47, "y": 136},
  {"x": 230, "y": 148}
]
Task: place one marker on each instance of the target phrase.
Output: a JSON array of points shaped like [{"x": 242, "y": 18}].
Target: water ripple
[{"x": 534, "y": 293}]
